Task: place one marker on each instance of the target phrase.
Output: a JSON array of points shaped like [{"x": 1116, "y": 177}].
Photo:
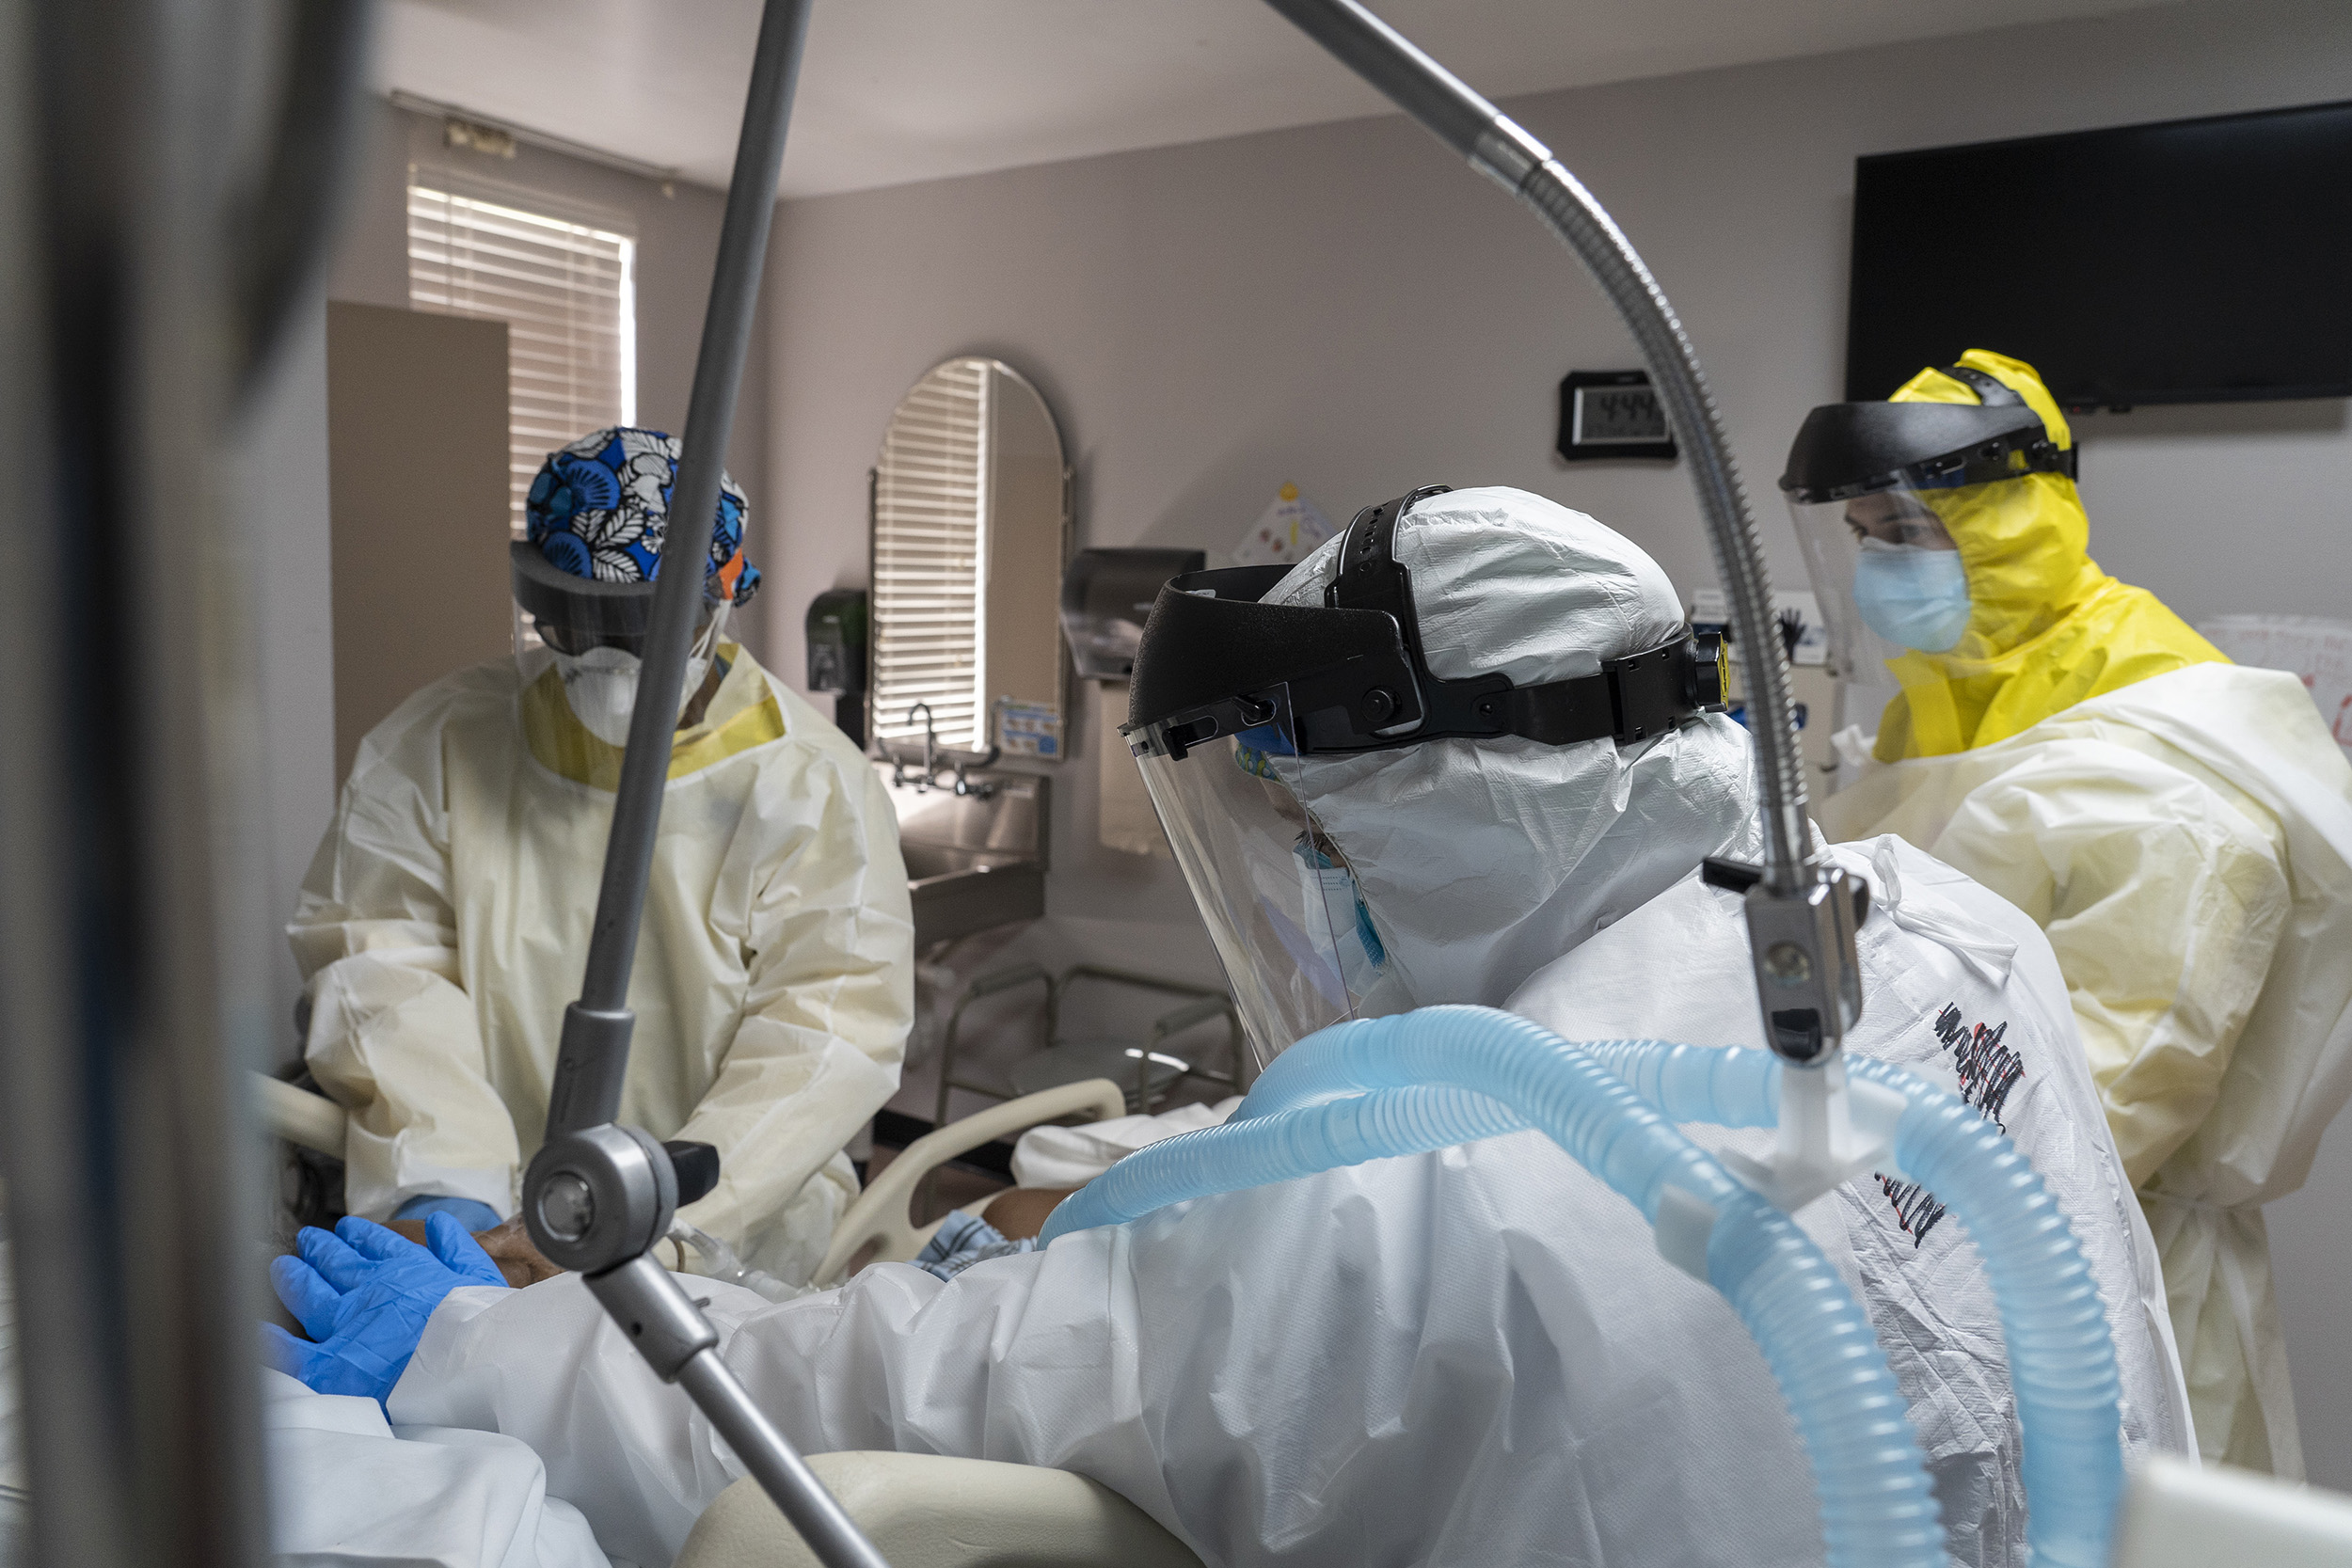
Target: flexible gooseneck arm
[
  {"x": 1800, "y": 920},
  {"x": 599, "y": 1195}
]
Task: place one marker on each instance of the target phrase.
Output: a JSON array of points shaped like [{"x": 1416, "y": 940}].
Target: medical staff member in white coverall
[
  {"x": 2180, "y": 827},
  {"x": 1474, "y": 1356},
  {"x": 444, "y": 925}
]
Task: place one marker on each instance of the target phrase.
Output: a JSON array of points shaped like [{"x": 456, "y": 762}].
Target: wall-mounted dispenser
[
  {"x": 1107, "y": 596},
  {"x": 837, "y": 655}
]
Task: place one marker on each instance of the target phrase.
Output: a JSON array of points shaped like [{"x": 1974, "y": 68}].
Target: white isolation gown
[
  {"x": 445, "y": 921},
  {"x": 348, "y": 1490},
  {"x": 1472, "y": 1356},
  {"x": 2186, "y": 843}
]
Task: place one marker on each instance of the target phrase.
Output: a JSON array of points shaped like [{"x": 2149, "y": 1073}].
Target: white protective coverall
[
  {"x": 2186, "y": 844},
  {"x": 348, "y": 1490},
  {"x": 1481, "y": 861},
  {"x": 1470, "y": 1357},
  {"x": 444, "y": 927}
]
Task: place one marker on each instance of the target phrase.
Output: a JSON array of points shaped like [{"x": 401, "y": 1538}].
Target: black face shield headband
[
  {"x": 1845, "y": 450},
  {"x": 1350, "y": 676}
]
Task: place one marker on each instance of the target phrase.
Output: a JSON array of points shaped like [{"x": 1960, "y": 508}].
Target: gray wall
[
  {"x": 1345, "y": 307},
  {"x": 276, "y": 478}
]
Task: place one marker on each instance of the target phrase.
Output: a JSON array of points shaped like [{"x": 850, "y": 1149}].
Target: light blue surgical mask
[{"x": 1912, "y": 595}]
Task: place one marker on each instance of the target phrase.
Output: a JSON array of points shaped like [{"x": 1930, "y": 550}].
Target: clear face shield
[
  {"x": 1277, "y": 894},
  {"x": 1871, "y": 486},
  {"x": 1888, "y": 577},
  {"x": 594, "y": 635}
]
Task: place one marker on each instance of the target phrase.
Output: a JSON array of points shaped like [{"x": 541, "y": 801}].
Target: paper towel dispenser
[{"x": 1107, "y": 596}]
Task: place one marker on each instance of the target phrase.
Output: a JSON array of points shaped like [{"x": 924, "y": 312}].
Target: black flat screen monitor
[{"x": 2199, "y": 260}]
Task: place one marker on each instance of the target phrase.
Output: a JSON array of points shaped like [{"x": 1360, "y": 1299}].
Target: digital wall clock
[{"x": 1612, "y": 414}]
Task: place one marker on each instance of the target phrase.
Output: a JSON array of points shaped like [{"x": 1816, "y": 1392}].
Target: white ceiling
[{"x": 898, "y": 91}]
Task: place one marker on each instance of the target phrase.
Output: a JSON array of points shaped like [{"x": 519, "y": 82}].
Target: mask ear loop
[
  {"x": 702, "y": 655},
  {"x": 712, "y": 634}
]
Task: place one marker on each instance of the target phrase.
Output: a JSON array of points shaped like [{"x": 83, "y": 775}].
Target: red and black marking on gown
[{"x": 1988, "y": 1070}]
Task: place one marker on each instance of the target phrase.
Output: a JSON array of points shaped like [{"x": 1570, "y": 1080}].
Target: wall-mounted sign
[
  {"x": 1029, "y": 729},
  {"x": 1612, "y": 414}
]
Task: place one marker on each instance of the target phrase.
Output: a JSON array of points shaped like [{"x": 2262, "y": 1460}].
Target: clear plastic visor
[
  {"x": 1834, "y": 536},
  {"x": 571, "y": 614},
  {"x": 1280, "y": 903}
]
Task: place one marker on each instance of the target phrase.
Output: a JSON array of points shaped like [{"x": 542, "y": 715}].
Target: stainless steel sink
[{"x": 974, "y": 861}]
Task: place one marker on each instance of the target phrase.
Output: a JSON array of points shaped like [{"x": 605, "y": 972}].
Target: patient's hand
[
  {"x": 509, "y": 1246},
  {"x": 1014, "y": 1216}
]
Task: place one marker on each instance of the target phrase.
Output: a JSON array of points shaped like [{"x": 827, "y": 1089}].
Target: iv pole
[{"x": 597, "y": 1195}]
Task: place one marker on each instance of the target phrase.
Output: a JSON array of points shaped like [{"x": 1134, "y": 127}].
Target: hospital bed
[
  {"x": 928, "y": 1510},
  {"x": 923, "y": 1511}
]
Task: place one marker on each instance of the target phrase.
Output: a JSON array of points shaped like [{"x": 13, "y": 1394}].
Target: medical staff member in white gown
[
  {"x": 444, "y": 925},
  {"x": 1475, "y": 1355}
]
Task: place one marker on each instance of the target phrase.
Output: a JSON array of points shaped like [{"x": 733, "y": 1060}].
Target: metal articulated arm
[{"x": 599, "y": 1195}]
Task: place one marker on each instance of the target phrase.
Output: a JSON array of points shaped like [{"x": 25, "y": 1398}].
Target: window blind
[
  {"x": 566, "y": 290},
  {"x": 930, "y": 534}
]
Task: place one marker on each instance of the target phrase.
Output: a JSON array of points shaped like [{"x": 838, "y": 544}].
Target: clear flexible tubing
[
  {"x": 1446, "y": 1075},
  {"x": 2061, "y": 1356}
]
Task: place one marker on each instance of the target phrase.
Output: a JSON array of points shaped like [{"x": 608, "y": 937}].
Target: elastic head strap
[
  {"x": 2043, "y": 456},
  {"x": 1991, "y": 392},
  {"x": 1370, "y": 577},
  {"x": 1629, "y": 700}
]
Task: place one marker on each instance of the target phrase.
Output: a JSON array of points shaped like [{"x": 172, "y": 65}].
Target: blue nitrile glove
[
  {"x": 364, "y": 1299},
  {"x": 472, "y": 1212}
]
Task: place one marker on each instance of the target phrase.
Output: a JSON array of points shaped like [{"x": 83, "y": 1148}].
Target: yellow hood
[{"x": 2047, "y": 629}]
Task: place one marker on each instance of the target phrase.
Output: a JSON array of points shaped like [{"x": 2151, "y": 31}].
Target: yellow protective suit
[
  {"x": 444, "y": 925},
  {"x": 2182, "y": 829},
  {"x": 2047, "y": 628}
]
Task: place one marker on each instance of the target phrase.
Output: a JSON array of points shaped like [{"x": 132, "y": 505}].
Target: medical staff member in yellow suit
[
  {"x": 445, "y": 921},
  {"x": 2179, "y": 827}
]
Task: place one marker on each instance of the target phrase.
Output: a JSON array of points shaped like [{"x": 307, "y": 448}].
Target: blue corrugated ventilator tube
[
  {"x": 1430, "y": 1079},
  {"x": 2061, "y": 1358}
]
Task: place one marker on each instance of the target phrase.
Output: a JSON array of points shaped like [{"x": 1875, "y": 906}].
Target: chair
[
  {"x": 927, "y": 1511},
  {"x": 1145, "y": 1071}
]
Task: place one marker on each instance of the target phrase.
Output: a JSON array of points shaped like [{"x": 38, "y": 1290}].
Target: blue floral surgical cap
[{"x": 601, "y": 509}]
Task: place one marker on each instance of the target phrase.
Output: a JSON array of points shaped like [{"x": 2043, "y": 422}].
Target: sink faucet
[
  {"x": 929, "y": 779},
  {"x": 930, "y": 746}
]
